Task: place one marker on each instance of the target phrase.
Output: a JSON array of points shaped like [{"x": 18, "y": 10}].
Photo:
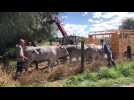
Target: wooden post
[{"x": 82, "y": 56}]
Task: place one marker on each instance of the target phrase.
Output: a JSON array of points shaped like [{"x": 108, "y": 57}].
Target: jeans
[
  {"x": 110, "y": 59},
  {"x": 20, "y": 66}
]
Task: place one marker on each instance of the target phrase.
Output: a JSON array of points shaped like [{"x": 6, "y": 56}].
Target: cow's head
[{"x": 63, "y": 52}]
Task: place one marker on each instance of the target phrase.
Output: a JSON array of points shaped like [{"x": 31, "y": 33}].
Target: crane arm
[{"x": 62, "y": 30}]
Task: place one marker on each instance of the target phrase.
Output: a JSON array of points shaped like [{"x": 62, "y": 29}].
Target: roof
[{"x": 109, "y": 32}]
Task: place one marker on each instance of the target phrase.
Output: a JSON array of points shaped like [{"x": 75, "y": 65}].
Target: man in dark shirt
[{"x": 108, "y": 51}]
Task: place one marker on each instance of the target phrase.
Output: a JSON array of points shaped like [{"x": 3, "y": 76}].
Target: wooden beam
[
  {"x": 102, "y": 34},
  {"x": 112, "y": 31}
]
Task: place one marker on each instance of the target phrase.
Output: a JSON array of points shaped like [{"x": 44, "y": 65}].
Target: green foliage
[
  {"x": 30, "y": 25},
  {"x": 108, "y": 73},
  {"x": 122, "y": 74},
  {"x": 128, "y": 24},
  {"x": 11, "y": 53},
  {"x": 92, "y": 76}
]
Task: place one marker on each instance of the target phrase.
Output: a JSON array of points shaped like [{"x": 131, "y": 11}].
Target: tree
[
  {"x": 127, "y": 24},
  {"x": 30, "y": 25}
]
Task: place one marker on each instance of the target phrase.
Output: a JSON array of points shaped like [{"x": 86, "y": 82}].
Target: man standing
[
  {"x": 107, "y": 50},
  {"x": 21, "y": 57}
]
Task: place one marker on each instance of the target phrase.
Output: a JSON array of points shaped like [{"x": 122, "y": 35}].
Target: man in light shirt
[{"x": 21, "y": 57}]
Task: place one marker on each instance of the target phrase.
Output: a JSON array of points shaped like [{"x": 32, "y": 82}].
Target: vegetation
[
  {"x": 30, "y": 25},
  {"x": 127, "y": 24},
  {"x": 33, "y": 26},
  {"x": 122, "y": 75}
]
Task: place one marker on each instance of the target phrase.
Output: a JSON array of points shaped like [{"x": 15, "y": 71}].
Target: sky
[{"x": 81, "y": 23}]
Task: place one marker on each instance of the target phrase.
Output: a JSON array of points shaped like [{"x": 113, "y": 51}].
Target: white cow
[{"x": 50, "y": 54}]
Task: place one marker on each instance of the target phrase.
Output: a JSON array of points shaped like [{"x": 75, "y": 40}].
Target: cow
[
  {"x": 74, "y": 52},
  {"x": 90, "y": 52},
  {"x": 41, "y": 54}
]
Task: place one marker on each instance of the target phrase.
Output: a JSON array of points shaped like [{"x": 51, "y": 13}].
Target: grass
[
  {"x": 7, "y": 81},
  {"x": 122, "y": 74}
]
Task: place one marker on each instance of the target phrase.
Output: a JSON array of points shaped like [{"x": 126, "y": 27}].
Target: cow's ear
[
  {"x": 60, "y": 46},
  {"x": 33, "y": 52}
]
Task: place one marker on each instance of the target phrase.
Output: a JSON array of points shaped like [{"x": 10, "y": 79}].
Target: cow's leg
[
  {"x": 70, "y": 59},
  {"x": 27, "y": 64},
  {"x": 36, "y": 63},
  {"x": 86, "y": 58},
  {"x": 63, "y": 60},
  {"x": 57, "y": 62},
  {"x": 50, "y": 65},
  {"x": 89, "y": 59},
  {"x": 77, "y": 58}
]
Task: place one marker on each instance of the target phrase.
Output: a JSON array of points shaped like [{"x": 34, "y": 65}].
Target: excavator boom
[
  {"x": 64, "y": 33},
  {"x": 66, "y": 39}
]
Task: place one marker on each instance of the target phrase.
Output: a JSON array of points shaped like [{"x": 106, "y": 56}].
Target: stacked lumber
[
  {"x": 91, "y": 40},
  {"x": 122, "y": 46},
  {"x": 131, "y": 42},
  {"x": 115, "y": 44}
]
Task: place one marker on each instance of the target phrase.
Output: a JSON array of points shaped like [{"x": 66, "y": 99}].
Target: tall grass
[
  {"x": 121, "y": 74},
  {"x": 7, "y": 81}
]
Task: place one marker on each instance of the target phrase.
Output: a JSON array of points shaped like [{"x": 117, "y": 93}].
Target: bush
[
  {"x": 125, "y": 69},
  {"x": 125, "y": 72},
  {"x": 11, "y": 53},
  {"x": 122, "y": 74},
  {"x": 71, "y": 81},
  {"x": 128, "y": 71},
  {"x": 114, "y": 73},
  {"x": 84, "y": 83},
  {"x": 132, "y": 65},
  {"x": 108, "y": 73},
  {"x": 92, "y": 77},
  {"x": 102, "y": 73}
]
